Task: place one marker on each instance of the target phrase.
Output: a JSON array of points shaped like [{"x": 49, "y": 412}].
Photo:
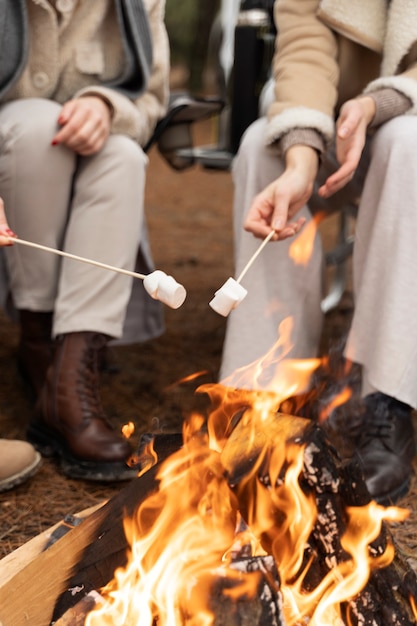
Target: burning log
[
  {"x": 339, "y": 492},
  {"x": 76, "y": 615},
  {"x": 263, "y": 607}
]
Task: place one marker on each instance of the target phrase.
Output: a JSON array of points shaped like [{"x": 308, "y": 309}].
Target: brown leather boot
[
  {"x": 35, "y": 350},
  {"x": 70, "y": 421}
]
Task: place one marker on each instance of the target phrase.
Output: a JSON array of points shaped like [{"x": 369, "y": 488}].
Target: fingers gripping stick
[
  {"x": 231, "y": 294},
  {"x": 159, "y": 285}
]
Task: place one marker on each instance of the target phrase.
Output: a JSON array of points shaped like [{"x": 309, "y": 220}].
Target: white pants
[
  {"x": 383, "y": 336},
  {"x": 87, "y": 206}
]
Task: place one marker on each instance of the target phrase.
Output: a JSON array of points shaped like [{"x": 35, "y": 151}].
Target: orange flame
[
  {"x": 177, "y": 537},
  {"x": 348, "y": 578},
  {"x": 301, "y": 248},
  {"x": 128, "y": 430},
  {"x": 413, "y": 604},
  {"x": 187, "y": 379},
  {"x": 147, "y": 458},
  {"x": 337, "y": 401},
  {"x": 276, "y": 371}
]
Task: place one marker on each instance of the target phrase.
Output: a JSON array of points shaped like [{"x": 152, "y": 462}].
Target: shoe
[
  {"x": 35, "y": 349},
  {"x": 386, "y": 447},
  {"x": 18, "y": 462},
  {"x": 70, "y": 421}
]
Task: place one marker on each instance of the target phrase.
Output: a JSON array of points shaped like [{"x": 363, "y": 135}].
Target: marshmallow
[
  {"x": 228, "y": 297},
  {"x": 164, "y": 288}
]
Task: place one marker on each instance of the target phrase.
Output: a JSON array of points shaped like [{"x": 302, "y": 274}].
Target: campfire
[{"x": 251, "y": 517}]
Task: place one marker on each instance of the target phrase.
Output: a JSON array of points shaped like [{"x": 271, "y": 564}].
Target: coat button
[
  {"x": 64, "y": 6},
  {"x": 40, "y": 80}
]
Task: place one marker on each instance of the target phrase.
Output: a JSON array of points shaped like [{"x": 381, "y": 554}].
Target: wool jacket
[
  {"x": 117, "y": 50},
  {"x": 328, "y": 51}
]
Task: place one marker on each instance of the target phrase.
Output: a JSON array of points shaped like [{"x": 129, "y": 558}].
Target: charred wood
[
  {"x": 336, "y": 485},
  {"x": 263, "y": 608}
]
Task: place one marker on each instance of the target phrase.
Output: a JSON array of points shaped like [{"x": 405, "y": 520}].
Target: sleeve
[
  {"x": 404, "y": 84},
  {"x": 389, "y": 103},
  {"x": 306, "y": 72}
]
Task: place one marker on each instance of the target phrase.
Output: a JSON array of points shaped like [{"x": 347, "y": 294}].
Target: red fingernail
[{"x": 54, "y": 142}]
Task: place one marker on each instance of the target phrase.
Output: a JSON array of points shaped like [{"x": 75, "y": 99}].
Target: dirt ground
[{"x": 189, "y": 219}]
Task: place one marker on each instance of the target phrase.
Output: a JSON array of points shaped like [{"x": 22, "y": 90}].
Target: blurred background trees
[{"x": 189, "y": 24}]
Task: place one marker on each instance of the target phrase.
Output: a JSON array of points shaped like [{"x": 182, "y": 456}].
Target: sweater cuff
[
  {"x": 304, "y": 137},
  {"x": 389, "y": 103}
]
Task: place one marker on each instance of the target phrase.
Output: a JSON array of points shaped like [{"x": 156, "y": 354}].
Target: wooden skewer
[
  {"x": 76, "y": 258},
  {"x": 252, "y": 259}
]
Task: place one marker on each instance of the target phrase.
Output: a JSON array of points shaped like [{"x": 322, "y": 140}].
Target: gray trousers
[
  {"x": 383, "y": 335},
  {"x": 87, "y": 206}
]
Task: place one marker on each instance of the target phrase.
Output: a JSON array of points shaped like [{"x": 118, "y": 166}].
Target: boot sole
[{"x": 47, "y": 443}]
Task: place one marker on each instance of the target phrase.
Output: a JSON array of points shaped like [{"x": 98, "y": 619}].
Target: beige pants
[
  {"x": 87, "y": 206},
  {"x": 383, "y": 337}
]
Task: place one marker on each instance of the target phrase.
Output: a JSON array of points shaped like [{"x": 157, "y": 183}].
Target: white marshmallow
[
  {"x": 228, "y": 297},
  {"x": 165, "y": 288}
]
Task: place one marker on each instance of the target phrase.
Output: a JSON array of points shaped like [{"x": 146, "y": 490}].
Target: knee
[
  {"x": 255, "y": 160},
  {"x": 29, "y": 122},
  {"x": 252, "y": 142},
  {"x": 125, "y": 154}
]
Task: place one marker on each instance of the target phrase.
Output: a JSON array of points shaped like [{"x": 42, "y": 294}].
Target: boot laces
[
  {"x": 376, "y": 427},
  {"x": 379, "y": 418},
  {"x": 88, "y": 387}
]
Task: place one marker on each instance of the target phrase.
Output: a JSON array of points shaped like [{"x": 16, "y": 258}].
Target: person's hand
[
  {"x": 351, "y": 126},
  {"x": 85, "y": 125},
  {"x": 276, "y": 206},
  {"x": 5, "y": 232}
]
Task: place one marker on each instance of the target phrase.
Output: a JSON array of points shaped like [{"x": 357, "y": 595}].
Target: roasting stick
[
  {"x": 231, "y": 294},
  {"x": 158, "y": 284},
  {"x": 255, "y": 255},
  {"x": 39, "y": 246}
]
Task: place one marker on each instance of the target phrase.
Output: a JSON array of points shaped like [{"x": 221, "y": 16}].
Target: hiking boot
[
  {"x": 35, "y": 349},
  {"x": 386, "y": 447},
  {"x": 70, "y": 421},
  {"x": 18, "y": 462}
]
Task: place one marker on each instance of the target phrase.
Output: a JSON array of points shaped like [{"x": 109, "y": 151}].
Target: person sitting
[
  {"x": 82, "y": 86},
  {"x": 342, "y": 125}
]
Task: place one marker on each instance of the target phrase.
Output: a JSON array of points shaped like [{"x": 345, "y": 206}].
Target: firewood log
[{"x": 335, "y": 484}]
